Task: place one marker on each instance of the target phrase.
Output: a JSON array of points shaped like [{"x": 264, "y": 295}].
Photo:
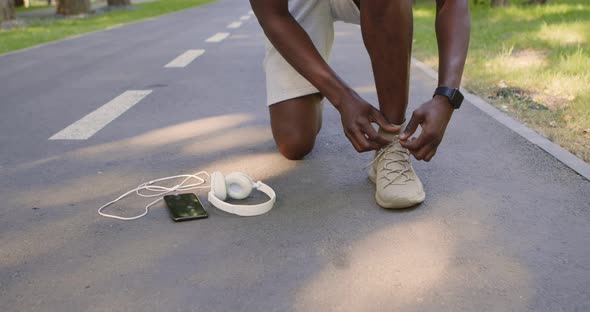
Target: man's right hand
[{"x": 357, "y": 115}]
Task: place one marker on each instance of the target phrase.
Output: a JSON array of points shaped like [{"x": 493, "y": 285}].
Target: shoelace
[{"x": 404, "y": 162}]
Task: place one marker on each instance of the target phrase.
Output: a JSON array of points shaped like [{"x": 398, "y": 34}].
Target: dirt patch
[
  {"x": 550, "y": 101},
  {"x": 520, "y": 99}
]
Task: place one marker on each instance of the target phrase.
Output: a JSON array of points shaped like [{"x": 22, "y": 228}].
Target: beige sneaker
[{"x": 397, "y": 185}]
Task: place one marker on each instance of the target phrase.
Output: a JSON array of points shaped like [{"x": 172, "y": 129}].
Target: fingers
[
  {"x": 379, "y": 119},
  {"x": 415, "y": 144},
  {"x": 374, "y": 136},
  {"x": 424, "y": 151},
  {"x": 423, "y": 148},
  {"x": 425, "y": 145},
  {"x": 359, "y": 141},
  {"x": 364, "y": 137},
  {"x": 415, "y": 121},
  {"x": 365, "y": 144},
  {"x": 430, "y": 155}
]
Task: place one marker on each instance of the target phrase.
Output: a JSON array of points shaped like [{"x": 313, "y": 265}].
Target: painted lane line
[
  {"x": 218, "y": 37},
  {"x": 184, "y": 59},
  {"x": 245, "y": 17},
  {"x": 98, "y": 119},
  {"x": 234, "y": 25}
]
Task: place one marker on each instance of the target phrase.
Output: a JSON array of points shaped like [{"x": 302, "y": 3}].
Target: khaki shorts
[{"x": 317, "y": 17}]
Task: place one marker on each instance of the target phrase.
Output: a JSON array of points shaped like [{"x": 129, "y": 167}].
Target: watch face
[
  {"x": 454, "y": 95},
  {"x": 457, "y": 98}
]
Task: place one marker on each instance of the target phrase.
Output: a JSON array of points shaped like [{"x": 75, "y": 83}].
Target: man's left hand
[{"x": 433, "y": 117}]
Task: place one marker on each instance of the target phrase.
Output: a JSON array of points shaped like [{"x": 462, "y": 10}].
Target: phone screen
[{"x": 184, "y": 207}]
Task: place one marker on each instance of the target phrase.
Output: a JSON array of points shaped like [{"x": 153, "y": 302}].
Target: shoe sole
[{"x": 385, "y": 205}]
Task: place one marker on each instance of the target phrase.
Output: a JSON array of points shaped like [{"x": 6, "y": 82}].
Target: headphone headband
[{"x": 246, "y": 210}]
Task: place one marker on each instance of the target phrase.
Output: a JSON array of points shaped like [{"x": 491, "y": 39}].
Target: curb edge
[{"x": 561, "y": 154}]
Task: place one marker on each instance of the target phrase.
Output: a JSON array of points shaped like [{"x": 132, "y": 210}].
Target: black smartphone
[{"x": 185, "y": 207}]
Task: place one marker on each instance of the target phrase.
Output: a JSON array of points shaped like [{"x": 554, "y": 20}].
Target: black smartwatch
[{"x": 454, "y": 95}]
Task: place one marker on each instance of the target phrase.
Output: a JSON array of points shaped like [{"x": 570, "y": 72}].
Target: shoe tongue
[{"x": 393, "y": 136}]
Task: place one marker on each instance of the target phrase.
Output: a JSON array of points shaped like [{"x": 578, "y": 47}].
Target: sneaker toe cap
[{"x": 406, "y": 200}]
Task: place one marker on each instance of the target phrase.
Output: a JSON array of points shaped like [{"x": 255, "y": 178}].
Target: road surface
[{"x": 505, "y": 226}]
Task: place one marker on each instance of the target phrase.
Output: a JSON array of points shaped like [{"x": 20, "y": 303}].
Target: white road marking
[
  {"x": 218, "y": 37},
  {"x": 98, "y": 119},
  {"x": 234, "y": 25},
  {"x": 184, "y": 59},
  {"x": 245, "y": 17}
]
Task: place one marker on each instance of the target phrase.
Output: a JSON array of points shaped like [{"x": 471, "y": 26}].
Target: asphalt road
[{"x": 505, "y": 226}]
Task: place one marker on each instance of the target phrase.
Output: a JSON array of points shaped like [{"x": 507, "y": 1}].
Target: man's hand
[
  {"x": 357, "y": 115},
  {"x": 433, "y": 116},
  {"x": 452, "y": 34}
]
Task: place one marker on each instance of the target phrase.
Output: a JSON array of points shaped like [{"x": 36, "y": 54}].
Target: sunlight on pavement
[
  {"x": 148, "y": 141},
  {"x": 124, "y": 258},
  {"x": 75, "y": 200},
  {"x": 247, "y": 136},
  {"x": 71, "y": 202},
  {"x": 192, "y": 130},
  {"x": 72, "y": 221},
  {"x": 36, "y": 240},
  {"x": 404, "y": 266},
  {"x": 392, "y": 267},
  {"x": 261, "y": 166}
]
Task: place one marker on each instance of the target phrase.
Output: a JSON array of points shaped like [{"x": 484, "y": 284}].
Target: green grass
[
  {"x": 40, "y": 30},
  {"x": 33, "y": 6},
  {"x": 533, "y": 62}
]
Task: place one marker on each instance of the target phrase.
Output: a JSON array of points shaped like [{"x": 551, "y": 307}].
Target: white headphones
[{"x": 238, "y": 185}]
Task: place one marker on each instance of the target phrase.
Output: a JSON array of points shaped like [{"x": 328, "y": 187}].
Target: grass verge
[
  {"x": 532, "y": 62},
  {"x": 39, "y": 30},
  {"x": 34, "y": 6}
]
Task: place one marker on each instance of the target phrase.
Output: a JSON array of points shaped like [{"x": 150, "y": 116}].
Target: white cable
[{"x": 159, "y": 191}]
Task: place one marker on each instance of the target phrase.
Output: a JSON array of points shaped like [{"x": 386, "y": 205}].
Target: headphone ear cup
[
  {"x": 218, "y": 186},
  {"x": 238, "y": 185}
]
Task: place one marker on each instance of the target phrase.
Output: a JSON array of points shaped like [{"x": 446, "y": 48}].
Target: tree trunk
[
  {"x": 537, "y": 2},
  {"x": 6, "y": 10},
  {"x": 73, "y": 7},
  {"x": 19, "y": 3},
  {"x": 118, "y": 2},
  {"x": 497, "y": 3}
]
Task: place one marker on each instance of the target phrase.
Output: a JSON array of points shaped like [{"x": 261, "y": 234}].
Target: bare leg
[
  {"x": 387, "y": 28},
  {"x": 295, "y": 124}
]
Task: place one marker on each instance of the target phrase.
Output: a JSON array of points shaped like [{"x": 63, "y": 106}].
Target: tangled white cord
[{"x": 159, "y": 191}]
